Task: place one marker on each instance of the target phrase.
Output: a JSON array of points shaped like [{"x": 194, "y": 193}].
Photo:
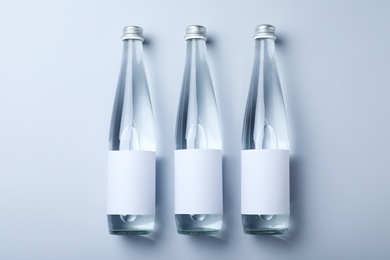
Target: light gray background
[{"x": 59, "y": 63}]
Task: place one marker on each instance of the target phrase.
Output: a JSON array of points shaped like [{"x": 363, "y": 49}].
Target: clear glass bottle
[
  {"x": 198, "y": 155},
  {"x": 265, "y": 145},
  {"x": 132, "y": 145}
]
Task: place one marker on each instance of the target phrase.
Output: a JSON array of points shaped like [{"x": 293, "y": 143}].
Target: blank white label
[
  {"x": 131, "y": 183},
  {"x": 198, "y": 181},
  {"x": 265, "y": 184}
]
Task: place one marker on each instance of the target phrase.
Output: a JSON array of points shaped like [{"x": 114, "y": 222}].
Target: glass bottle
[
  {"x": 265, "y": 147},
  {"x": 132, "y": 145},
  {"x": 198, "y": 155}
]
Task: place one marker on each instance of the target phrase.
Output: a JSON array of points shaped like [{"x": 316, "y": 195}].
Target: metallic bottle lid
[
  {"x": 265, "y": 31},
  {"x": 132, "y": 33},
  {"x": 195, "y": 32}
]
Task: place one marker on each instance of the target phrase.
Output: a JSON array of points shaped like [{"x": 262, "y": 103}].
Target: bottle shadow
[
  {"x": 297, "y": 216},
  {"x": 141, "y": 240},
  {"x": 208, "y": 240},
  {"x": 280, "y": 41}
]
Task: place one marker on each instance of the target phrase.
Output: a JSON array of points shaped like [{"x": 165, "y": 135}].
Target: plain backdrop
[{"x": 59, "y": 65}]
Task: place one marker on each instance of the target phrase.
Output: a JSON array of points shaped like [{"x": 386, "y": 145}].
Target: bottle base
[
  {"x": 206, "y": 224},
  {"x": 265, "y": 232},
  {"x": 130, "y": 232},
  {"x": 198, "y": 232},
  {"x": 130, "y": 224},
  {"x": 265, "y": 224}
]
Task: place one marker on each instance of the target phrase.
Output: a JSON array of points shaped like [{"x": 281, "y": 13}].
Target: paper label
[
  {"x": 265, "y": 183},
  {"x": 198, "y": 181},
  {"x": 131, "y": 183}
]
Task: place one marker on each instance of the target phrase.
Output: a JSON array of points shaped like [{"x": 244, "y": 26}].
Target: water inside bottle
[
  {"x": 266, "y": 217},
  {"x": 198, "y": 217},
  {"x": 128, "y": 218}
]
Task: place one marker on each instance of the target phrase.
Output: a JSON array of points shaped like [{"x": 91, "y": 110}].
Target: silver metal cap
[
  {"x": 265, "y": 31},
  {"x": 133, "y": 32},
  {"x": 195, "y": 32}
]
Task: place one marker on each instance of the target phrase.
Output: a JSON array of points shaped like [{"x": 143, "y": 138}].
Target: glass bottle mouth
[
  {"x": 132, "y": 32},
  {"x": 195, "y": 32},
  {"x": 264, "y": 31}
]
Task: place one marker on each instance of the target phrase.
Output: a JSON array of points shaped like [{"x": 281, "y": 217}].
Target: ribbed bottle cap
[
  {"x": 133, "y": 32},
  {"x": 265, "y": 31},
  {"x": 195, "y": 32}
]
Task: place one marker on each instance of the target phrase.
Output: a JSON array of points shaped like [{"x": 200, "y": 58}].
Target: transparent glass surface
[
  {"x": 132, "y": 127},
  {"x": 130, "y": 224},
  {"x": 265, "y": 125},
  {"x": 201, "y": 224},
  {"x": 197, "y": 124},
  {"x": 265, "y": 224},
  {"x": 197, "y": 127}
]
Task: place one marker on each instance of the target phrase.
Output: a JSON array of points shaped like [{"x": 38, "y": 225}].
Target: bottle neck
[
  {"x": 196, "y": 72},
  {"x": 196, "y": 52},
  {"x": 132, "y": 51},
  {"x": 264, "y": 50}
]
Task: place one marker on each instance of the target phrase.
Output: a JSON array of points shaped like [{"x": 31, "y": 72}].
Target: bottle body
[
  {"x": 265, "y": 146},
  {"x": 198, "y": 155},
  {"x": 132, "y": 146}
]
